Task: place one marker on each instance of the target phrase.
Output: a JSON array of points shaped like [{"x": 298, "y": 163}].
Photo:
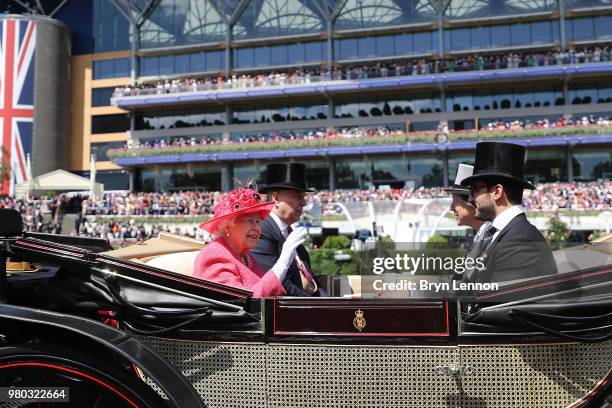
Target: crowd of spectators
[
  {"x": 138, "y": 216},
  {"x": 477, "y": 62},
  {"x": 364, "y": 132}
]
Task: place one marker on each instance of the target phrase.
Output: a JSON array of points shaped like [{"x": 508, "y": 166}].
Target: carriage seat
[{"x": 178, "y": 262}]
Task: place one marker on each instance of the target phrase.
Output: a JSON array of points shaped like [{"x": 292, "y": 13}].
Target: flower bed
[{"x": 397, "y": 138}]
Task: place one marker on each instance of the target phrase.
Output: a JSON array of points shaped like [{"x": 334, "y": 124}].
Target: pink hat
[{"x": 237, "y": 202}]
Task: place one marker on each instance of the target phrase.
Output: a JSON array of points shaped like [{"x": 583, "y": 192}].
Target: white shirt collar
[
  {"x": 282, "y": 225},
  {"x": 506, "y": 216}
]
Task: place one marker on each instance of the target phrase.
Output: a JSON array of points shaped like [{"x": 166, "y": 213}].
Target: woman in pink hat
[{"x": 235, "y": 226}]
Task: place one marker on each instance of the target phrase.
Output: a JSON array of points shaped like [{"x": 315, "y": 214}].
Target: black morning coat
[
  {"x": 267, "y": 251},
  {"x": 518, "y": 252}
]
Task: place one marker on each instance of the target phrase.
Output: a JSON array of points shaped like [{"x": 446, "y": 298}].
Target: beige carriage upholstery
[
  {"x": 166, "y": 251},
  {"x": 179, "y": 262}
]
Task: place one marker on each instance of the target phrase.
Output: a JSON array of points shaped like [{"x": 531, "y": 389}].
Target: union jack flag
[{"x": 17, "y": 46}]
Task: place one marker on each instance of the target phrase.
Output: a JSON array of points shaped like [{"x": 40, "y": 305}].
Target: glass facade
[
  {"x": 112, "y": 179},
  {"x": 182, "y": 63},
  {"x": 390, "y": 105},
  {"x": 102, "y": 96},
  {"x": 182, "y": 22},
  {"x": 277, "y": 18},
  {"x": 573, "y": 4},
  {"x": 109, "y": 124},
  {"x": 358, "y": 14},
  {"x": 279, "y": 113},
  {"x": 177, "y": 178},
  {"x": 395, "y": 171},
  {"x": 317, "y": 174},
  {"x": 592, "y": 164},
  {"x": 502, "y": 35},
  {"x": 179, "y": 119},
  {"x": 584, "y": 94},
  {"x": 351, "y": 173},
  {"x": 466, "y": 9},
  {"x": 493, "y": 99},
  {"x": 100, "y": 150},
  {"x": 298, "y": 29},
  {"x": 112, "y": 68},
  {"x": 405, "y": 44},
  {"x": 546, "y": 166},
  {"x": 111, "y": 31},
  {"x": 283, "y": 54},
  {"x": 589, "y": 28}
]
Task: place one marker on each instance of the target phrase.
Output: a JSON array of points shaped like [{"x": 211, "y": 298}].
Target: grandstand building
[{"x": 404, "y": 65}]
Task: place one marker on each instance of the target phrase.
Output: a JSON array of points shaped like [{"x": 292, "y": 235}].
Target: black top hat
[
  {"x": 495, "y": 160},
  {"x": 282, "y": 176}
]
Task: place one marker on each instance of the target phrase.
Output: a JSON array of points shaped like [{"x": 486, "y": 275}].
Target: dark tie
[{"x": 479, "y": 247}]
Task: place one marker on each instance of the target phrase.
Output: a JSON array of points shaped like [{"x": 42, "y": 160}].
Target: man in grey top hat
[
  {"x": 286, "y": 186},
  {"x": 465, "y": 213}
]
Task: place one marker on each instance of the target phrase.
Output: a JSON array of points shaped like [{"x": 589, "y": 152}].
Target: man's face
[
  {"x": 464, "y": 211},
  {"x": 289, "y": 204},
  {"x": 481, "y": 198}
]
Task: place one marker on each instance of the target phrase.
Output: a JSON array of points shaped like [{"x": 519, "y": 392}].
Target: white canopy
[{"x": 58, "y": 180}]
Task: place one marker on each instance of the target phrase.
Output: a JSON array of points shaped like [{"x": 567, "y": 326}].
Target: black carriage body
[{"x": 332, "y": 352}]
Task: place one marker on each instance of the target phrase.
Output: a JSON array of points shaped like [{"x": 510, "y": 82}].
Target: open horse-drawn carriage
[{"x": 118, "y": 331}]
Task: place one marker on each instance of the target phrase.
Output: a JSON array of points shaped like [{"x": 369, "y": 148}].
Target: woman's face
[
  {"x": 464, "y": 211},
  {"x": 244, "y": 232}
]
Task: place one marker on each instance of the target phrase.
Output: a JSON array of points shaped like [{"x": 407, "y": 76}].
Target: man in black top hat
[
  {"x": 513, "y": 248},
  {"x": 286, "y": 186}
]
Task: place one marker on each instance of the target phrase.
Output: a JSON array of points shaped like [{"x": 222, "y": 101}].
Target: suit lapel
[
  {"x": 516, "y": 220},
  {"x": 270, "y": 228}
]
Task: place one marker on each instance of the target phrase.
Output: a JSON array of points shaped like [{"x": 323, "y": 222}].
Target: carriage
[{"x": 112, "y": 328}]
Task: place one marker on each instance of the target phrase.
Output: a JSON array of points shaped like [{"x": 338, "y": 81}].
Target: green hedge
[{"x": 394, "y": 139}]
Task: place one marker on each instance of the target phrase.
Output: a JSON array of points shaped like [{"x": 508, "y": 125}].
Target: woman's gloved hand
[{"x": 294, "y": 240}]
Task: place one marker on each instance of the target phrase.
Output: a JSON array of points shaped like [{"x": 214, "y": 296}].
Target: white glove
[{"x": 294, "y": 240}]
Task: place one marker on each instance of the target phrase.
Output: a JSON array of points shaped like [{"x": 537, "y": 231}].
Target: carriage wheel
[{"x": 91, "y": 381}]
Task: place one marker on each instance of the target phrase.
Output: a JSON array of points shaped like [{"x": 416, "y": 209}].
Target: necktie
[
  {"x": 478, "y": 249},
  {"x": 308, "y": 282},
  {"x": 480, "y": 245}
]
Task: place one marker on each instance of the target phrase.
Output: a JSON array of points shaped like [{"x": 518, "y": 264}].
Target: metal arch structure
[
  {"x": 328, "y": 11},
  {"x": 136, "y": 11},
  {"x": 48, "y": 8},
  {"x": 480, "y": 8}
]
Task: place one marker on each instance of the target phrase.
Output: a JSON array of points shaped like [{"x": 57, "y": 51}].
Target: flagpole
[
  {"x": 12, "y": 182},
  {"x": 92, "y": 176},
  {"x": 29, "y": 175}
]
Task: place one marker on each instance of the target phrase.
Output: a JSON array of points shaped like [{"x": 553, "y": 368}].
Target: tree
[{"x": 558, "y": 233}]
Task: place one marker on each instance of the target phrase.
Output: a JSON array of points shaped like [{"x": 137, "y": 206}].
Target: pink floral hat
[{"x": 237, "y": 202}]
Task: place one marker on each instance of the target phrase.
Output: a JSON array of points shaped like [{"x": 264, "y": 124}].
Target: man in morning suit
[
  {"x": 286, "y": 187},
  {"x": 512, "y": 247}
]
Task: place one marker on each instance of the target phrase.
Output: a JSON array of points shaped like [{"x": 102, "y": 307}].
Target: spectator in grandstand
[
  {"x": 286, "y": 189},
  {"x": 512, "y": 247},
  {"x": 236, "y": 227},
  {"x": 421, "y": 66}
]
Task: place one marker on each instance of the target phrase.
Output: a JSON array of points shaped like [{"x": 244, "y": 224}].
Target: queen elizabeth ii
[{"x": 226, "y": 259}]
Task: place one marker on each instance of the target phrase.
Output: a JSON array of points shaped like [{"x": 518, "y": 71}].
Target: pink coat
[{"x": 218, "y": 264}]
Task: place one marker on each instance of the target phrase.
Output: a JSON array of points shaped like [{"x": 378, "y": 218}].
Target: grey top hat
[{"x": 464, "y": 171}]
